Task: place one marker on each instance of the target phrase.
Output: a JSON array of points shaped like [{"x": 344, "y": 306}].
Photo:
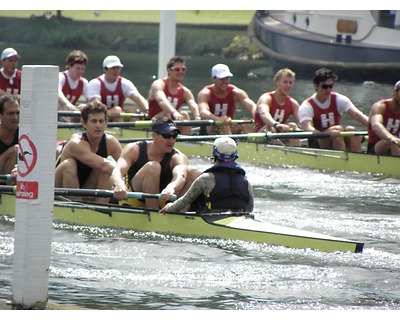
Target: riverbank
[{"x": 192, "y": 39}]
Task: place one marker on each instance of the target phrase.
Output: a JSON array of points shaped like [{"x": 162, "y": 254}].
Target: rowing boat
[
  {"x": 256, "y": 149},
  {"x": 224, "y": 225}
]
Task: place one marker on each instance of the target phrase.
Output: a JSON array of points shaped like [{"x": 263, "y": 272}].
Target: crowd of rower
[{"x": 94, "y": 151}]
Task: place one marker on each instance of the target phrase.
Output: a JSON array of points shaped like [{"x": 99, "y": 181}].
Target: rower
[
  {"x": 72, "y": 84},
  {"x": 384, "y": 125},
  {"x": 322, "y": 112},
  {"x": 87, "y": 159},
  {"x": 112, "y": 89},
  {"x": 223, "y": 187},
  {"x": 275, "y": 107},
  {"x": 154, "y": 166},
  {"x": 219, "y": 101},
  {"x": 9, "y": 126},
  {"x": 168, "y": 95}
]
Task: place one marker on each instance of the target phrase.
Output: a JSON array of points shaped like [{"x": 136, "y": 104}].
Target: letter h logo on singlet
[
  {"x": 279, "y": 115},
  {"x": 393, "y": 125},
  {"x": 327, "y": 120},
  {"x": 174, "y": 101},
  {"x": 70, "y": 98},
  {"x": 221, "y": 109},
  {"x": 12, "y": 91},
  {"x": 112, "y": 101}
]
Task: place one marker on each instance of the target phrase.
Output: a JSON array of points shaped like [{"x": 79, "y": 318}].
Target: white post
[
  {"x": 397, "y": 19},
  {"x": 35, "y": 185},
  {"x": 167, "y": 39}
]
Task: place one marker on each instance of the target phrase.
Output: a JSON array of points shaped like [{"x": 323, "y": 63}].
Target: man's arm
[
  {"x": 191, "y": 102},
  {"x": 205, "y": 182},
  {"x": 242, "y": 97},
  {"x": 63, "y": 102},
  {"x": 305, "y": 117},
  {"x": 376, "y": 118},
  {"x": 140, "y": 101},
  {"x": 114, "y": 147},
  {"x": 295, "y": 110},
  {"x": 81, "y": 151},
  {"x": 202, "y": 101},
  {"x": 250, "y": 206},
  {"x": 93, "y": 90},
  {"x": 263, "y": 109},
  {"x": 157, "y": 93},
  {"x": 356, "y": 114},
  {"x": 128, "y": 156},
  {"x": 179, "y": 165}
]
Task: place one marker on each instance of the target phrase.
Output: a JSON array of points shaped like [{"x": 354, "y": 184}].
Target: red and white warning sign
[
  {"x": 27, "y": 155},
  {"x": 27, "y": 158}
]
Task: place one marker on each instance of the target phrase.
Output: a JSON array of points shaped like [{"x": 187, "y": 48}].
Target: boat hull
[
  {"x": 304, "y": 52},
  {"x": 277, "y": 155},
  {"x": 224, "y": 226}
]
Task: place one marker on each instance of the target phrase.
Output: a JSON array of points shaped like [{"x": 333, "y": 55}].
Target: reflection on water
[{"x": 113, "y": 269}]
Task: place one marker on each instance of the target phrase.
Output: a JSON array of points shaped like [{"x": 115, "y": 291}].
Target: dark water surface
[{"x": 127, "y": 270}]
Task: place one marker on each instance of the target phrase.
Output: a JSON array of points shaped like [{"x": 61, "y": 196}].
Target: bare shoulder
[
  {"x": 76, "y": 139},
  {"x": 113, "y": 141},
  {"x": 111, "y": 138},
  {"x": 131, "y": 147},
  {"x": 179, "y": 157},
  {"x": 378, "y": 107},
  {"x": 204, "y": 92},
  {"x": 158, "y": 84},
  {"x": 239, "y": 93},
  {"x": 264, "y": 98},
  {"x": 75, "y": 146}
]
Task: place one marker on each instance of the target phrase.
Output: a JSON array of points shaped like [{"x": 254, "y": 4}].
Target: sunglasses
[
  {"x": 178, "y": 69},
  {"x": 326, "y": 86},
  {"x": 168, "y": 135}
]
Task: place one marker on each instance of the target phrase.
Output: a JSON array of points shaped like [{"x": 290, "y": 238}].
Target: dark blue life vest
[{"x": 231, "y": 191}]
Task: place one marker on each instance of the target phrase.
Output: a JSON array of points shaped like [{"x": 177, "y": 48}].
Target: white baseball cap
[
  {"x": 8, "y": 53},
  {"x": 397, "y": 85},
  {"x": 225, "y": 148},
  {"x": 221, "y": 71},
  {"x": 112, "y": 61}
]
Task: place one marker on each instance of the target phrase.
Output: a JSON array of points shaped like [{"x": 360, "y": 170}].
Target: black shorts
[{"x": 371, "y": 148}]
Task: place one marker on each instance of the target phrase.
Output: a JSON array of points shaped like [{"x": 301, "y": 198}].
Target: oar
[
  {"x": 258, "y": 137},
  {"x": 5, "y": 177},
  {"x": 92, "y": 193},
  {"x": 123, "y": 114},
  {"x": 148, "y": 123}
]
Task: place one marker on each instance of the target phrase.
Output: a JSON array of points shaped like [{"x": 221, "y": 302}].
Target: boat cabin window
[
  {"x": 387, "y": 19},
  {"x": 347, "y": 26}
]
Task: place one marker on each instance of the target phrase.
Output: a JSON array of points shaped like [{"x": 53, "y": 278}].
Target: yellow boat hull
[{"x": 221, "y": 225}]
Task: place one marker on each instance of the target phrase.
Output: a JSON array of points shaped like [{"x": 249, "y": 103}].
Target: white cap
[
  {"x": 225, "y": 148},
  {"x": 221, "y": 71},
  {"x": 112, "y": 61},
  {"x": 8, "y": 53},
  {"x": 397, "y": 85}
]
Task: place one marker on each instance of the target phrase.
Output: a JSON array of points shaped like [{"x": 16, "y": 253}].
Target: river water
[{"x": 126, "y": 270}]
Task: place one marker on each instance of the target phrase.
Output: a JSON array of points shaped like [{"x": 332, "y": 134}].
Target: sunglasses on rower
[
  {"x": 178, "y": 69},
  {"x": 168, "y": 135},
  {"x": 326, "y": 86}
]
